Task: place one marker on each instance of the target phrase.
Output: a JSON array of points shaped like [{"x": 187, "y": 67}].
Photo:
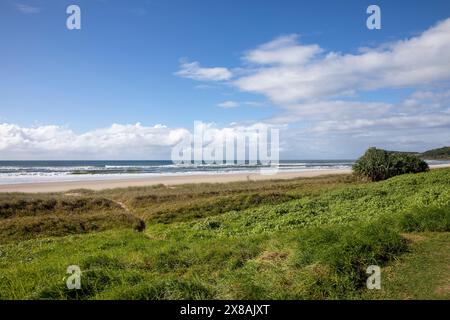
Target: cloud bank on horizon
[{"x": 318, "y": 95}]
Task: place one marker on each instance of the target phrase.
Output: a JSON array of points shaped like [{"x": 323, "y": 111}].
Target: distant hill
[{"x": 436, "y": 154}]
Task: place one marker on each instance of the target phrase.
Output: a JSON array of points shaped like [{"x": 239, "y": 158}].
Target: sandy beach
[{"x": 63, "y": 186}]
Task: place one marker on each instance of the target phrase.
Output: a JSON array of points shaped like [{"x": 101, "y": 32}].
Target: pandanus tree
[{"x": 377, "y": 164}]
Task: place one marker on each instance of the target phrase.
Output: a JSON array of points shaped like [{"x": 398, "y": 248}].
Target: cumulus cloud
[
  {"x": 193, "y": 70},
  {"x": 284, "y": 50},
  {"x": 429, "y": 110},
  {"x": 347, "y": 128},
  {"x": 115, "y": 142},
  {"x": 391, "y": 122},
  {"x": 295, "y": 77},
  {"x": 332, "y": 110}
]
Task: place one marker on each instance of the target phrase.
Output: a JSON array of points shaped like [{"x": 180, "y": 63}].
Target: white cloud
[
  {"x": 331, "y": 110},
  {"x": 345, "y": 129},
  {"x": 295, "y": 77},
  {"x": 27, "y": 9},
  {"x": 284, "y": 50},
  {"x": 193, "y": 70},
  {"x": 429, "y": 99},
  {"x": 392, "y": 122},
  {"x": 290, "y": 73},
  {"x": 115, "y": 142},
  {"x": 324, "y": 139},
  {"x": 228, "y": 104},
  {"x": 431, "y": 110}
]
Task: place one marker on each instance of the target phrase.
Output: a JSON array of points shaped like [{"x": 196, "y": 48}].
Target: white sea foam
[{"x": 15, "y": 172}]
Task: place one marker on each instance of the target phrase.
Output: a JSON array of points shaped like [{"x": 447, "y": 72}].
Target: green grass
[
  {"x": 292, "y": 239},
  {"x": 422, "y": 273},
  {"x": 34, "y": 216}
]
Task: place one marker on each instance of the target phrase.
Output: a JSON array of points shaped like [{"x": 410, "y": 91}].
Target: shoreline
[{"x": 63, "y": 186}]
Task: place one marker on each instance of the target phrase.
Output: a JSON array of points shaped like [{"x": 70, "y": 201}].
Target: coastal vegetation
[
  {"x": 437, "y": 154},
  {"x": 377, "y": 164},
  {"x": 433, "y": 154},
  {"x": 306, "y": 238}
]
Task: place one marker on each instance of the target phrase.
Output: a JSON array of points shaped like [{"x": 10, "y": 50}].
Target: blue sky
[{"x": 124, "y": 67}]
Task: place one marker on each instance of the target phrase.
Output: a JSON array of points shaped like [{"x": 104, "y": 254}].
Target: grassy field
[{"x": 309, "y": 238}]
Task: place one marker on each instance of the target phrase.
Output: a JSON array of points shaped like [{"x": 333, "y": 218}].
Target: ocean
[{"x": 12, "y": 172}]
